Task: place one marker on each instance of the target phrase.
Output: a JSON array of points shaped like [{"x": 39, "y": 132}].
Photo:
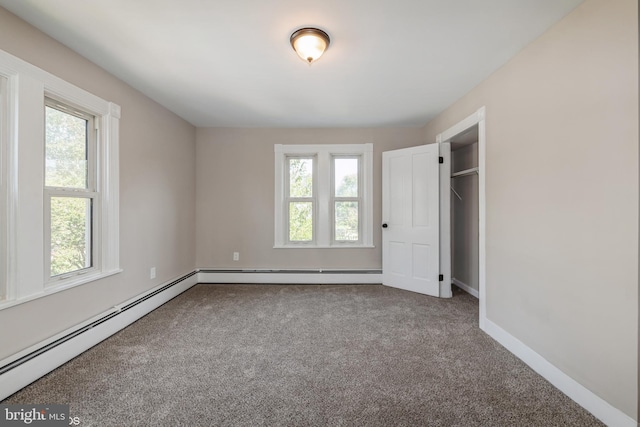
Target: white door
[{"x": 411, "y": 219}]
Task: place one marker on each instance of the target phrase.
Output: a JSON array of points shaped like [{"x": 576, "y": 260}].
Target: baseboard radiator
[
  {"x": 23, "y": 368},
  {"x": 301, "y": 277}
]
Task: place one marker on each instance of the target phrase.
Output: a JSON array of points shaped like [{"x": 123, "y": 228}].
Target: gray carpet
[{"x": 251, "y": 355}]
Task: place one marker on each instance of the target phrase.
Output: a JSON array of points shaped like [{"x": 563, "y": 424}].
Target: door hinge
[
  {"x": 441, "y": 159},
  {"x": 441, "y": 277}
]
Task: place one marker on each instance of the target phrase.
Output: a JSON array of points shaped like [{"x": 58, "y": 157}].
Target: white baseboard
[
  {"x": 468, "y": 289},
  {"x": 299, "y": 277},
  {"x": 600, "y": 408},
  {"x": 122, "y": 316}
]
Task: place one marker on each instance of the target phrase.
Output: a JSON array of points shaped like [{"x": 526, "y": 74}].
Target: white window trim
[
  {"x": 26, "y": 89},
  {"x": 323, "y": 210}
]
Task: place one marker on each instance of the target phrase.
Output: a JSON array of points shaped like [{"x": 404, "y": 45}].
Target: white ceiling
[{"x": 229, "y": 62}]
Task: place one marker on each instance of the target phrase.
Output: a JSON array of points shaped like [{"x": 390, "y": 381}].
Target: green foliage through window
[
  {"x": 66, "y": 150},
  {"x": 346, "y": 225},
  {"x": 346, "y": 177},
  {"x": 70, "y": 234},
  {"x": 300, "y": 177},
  {"x": 301, "y": 221}
]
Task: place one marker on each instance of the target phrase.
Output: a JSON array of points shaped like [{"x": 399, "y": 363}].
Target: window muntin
[
  {"x": 70, "y": 193},
  {"x": 340, "y": 210},
  {"x": 346, "y": 198}
]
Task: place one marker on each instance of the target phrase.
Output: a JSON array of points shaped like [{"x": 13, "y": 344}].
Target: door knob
[{"x": 384, "y": 225}]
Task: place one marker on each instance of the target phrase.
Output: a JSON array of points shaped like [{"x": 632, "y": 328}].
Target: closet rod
[{"x": 464, "y": 172}]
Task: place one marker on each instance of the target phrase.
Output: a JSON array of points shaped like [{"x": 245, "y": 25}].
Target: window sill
[{"x": 68, "y": 284}]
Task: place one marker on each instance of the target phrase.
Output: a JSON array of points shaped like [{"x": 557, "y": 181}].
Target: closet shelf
[{"x": 464, "y": 172}]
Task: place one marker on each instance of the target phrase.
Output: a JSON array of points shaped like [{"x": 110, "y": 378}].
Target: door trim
[
  {"x": 477, "y": 118},
  {"x": 445, "y": 220}
]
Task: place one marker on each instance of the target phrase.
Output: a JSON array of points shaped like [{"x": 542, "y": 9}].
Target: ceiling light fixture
[{"x": 309, "y": 43}]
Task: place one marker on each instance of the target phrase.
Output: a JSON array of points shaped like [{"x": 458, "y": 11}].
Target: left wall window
[
  {"x": 70, "y": 191},
  {"x": 60, "y": 186}
]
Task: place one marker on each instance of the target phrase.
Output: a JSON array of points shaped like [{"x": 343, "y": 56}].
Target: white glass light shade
[{"x": 309, "y": 43}]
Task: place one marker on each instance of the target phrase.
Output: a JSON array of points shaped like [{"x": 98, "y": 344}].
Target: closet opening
[
  {"x": 463, "y": 206},
  {"x": 464, "y": 211}
]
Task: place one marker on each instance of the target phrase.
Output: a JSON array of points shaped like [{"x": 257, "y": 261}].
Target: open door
[{"x": 411, "y": 219}]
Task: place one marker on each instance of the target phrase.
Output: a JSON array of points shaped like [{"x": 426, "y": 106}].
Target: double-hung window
[
  {"x": 323, "y": 196},
  {"x": 346, "y": 198},
  {"x": 301, "y": 200},
  {"x": 59, "y": 186},
  {"x": 71, "y": 197}
]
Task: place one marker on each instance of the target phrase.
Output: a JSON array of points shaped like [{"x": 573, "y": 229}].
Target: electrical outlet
[
  {"x": 152, "y": 273},
  {"x": 236, "y": 256}
]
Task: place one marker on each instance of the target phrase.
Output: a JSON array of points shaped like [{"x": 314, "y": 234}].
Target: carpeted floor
[{"x": 274, "y": 355}]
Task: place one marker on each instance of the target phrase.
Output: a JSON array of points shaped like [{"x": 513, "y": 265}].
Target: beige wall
[
  {"x": 157, "y": 194},
  {"x": 235, "y": 196},
  {"x": 562, "y": 196}
]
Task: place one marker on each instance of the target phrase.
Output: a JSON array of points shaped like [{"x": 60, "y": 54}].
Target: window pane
[
  {"x": 66, "y": 150},
  {"x": 346, "y": 177},
  {"x": 300, "y": 221},
  {"x": 346, "y": 225},
  {"x": 300, "y": 177},
  {"x": 70, "y": 234}
]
